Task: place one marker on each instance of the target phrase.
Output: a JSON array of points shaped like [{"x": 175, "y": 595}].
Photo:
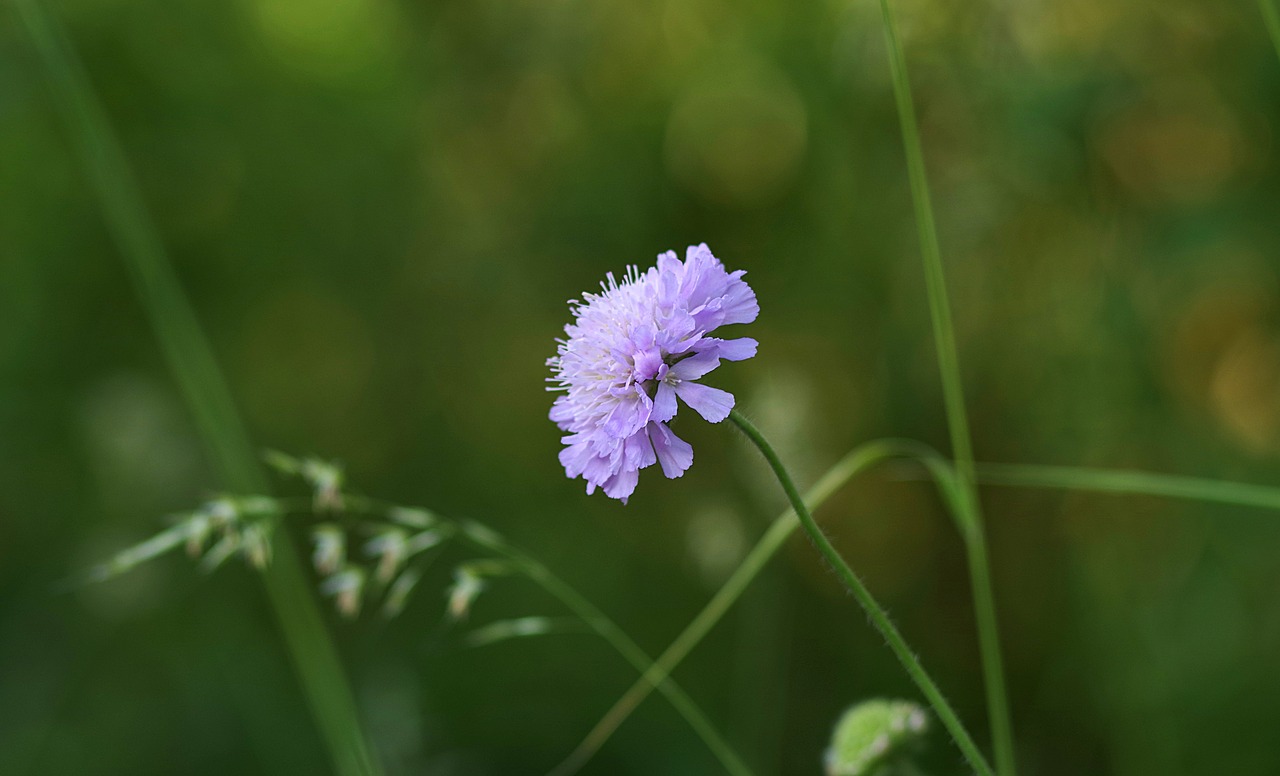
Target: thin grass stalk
[
  {"x": 485, "y": 539},
  {"x": 202, "y": 385},
  {"x": 607, "y": 629},
  {"x": 1129, "y": 482},
  {"x": 858, "y": 460},
  {"x": 953, "y": 397}
]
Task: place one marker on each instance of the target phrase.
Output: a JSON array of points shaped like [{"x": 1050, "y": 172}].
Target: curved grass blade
[
  {"x": 598, "y": 621},
  {"x": 874, "y": 611},
  {"x": 658, "y": 674},
  {"x": 1130, "y": 482}
]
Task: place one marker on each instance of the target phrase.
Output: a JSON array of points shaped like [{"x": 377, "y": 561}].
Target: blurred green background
[{"x": 379, "y": 209}]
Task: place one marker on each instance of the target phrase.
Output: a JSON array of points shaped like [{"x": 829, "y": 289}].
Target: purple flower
[{"x": 635, "y": 349}]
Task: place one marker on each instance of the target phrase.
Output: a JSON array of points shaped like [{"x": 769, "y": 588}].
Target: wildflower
[{"x": 631, "y": 352}]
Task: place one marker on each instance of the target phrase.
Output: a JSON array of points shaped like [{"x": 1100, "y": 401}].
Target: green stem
[
  {"x": 202, "y": 385},
  {"x": 953, "y": 396},
  {"x": 858, "y": 460},
  {"x": 607, "y": 629},
  {"x": 879, "y": 618}
]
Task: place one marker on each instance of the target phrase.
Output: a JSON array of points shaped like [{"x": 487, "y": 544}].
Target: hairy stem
[
  {"x": 953, "y": 396},
  {"x": 858, "y": 460},
  {"x": 876, "y": 613}
]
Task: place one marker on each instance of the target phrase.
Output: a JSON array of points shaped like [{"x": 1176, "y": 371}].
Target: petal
[
  {"x": 562, "y": 412},
  {"x": 621, "y": 485},
  {"x": 709, "y": 316},
  {"x": 646, "y": 402},
  {"x": 664, "y": 403},
  {"x": 669, "y": 262},
  {"x": 711, "y": 403},
  {"x": 736, "y": 349},
  {"x": 638, "y": 452},
  {"x": 666, "y": 280},
  {"x": 629, "y": 414},
  {"x": 598, "y": 470},
  {"x": 700, "y": 256},
  {"x": 697, "y": 365},
  {"x": 686, "y": 344},
  {"x": 674, "y": 454},
  {"x": 647, "y": 362},
  {"x": 739, "y": 301},
  {"x": 676, "y": 329},
  {"x": 574, "y": 458}
]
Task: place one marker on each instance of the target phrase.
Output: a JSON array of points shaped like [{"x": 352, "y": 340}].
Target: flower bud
[{"x": 870, "y": 733}]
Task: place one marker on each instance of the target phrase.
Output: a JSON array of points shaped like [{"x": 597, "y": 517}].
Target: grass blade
[
  {"x": 953, "y": 396},
  {"x": 1130, "y": 482},
  {"x": 201, "y": 382}
]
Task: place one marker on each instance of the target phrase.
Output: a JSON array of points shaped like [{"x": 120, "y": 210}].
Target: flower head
[{"x": 631, "y": 352}]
